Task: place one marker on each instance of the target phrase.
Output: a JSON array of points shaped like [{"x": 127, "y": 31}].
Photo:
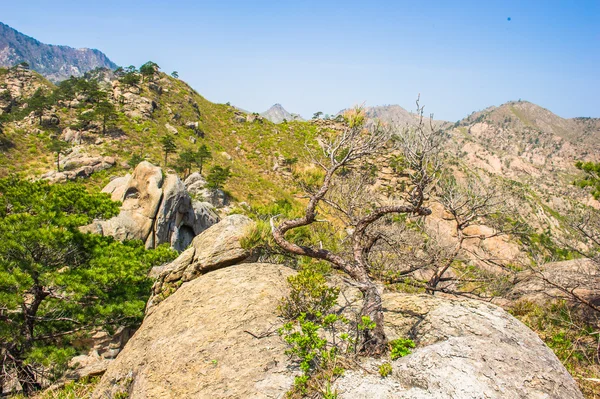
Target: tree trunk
[
  {"x": 27, "y": 380},
  {"x": 374, "y": 342},
  {"x": 58, "y": 161}
]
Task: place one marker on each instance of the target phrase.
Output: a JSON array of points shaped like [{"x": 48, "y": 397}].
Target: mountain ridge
[{"x": 55, "y": 62}]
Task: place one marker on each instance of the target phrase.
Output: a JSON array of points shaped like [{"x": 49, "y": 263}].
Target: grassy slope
[{"x": 251, "y": 147}]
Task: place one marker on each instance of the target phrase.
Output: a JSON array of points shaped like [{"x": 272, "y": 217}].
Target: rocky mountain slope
[
  {"x": 54, "y": 62},
  {"x": 518, "y": 144},
  {"x": 278, "y": 114}
]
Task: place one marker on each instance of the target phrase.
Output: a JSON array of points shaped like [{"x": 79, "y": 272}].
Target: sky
[{"x": 460, "y": 56}]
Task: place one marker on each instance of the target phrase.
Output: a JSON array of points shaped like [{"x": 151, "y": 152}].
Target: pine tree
[
  {"x": 217, "y": 177},
  {"x": 149, "y": 69},
  {"x": 105, "y": 112},
  {"x": 185, "y": 161},
  {"x": 58, "y": 147},
  {"x": 202, "y": 155},
  {"x": 168, "y": 146},
  {"x": 56, "y": 281}
]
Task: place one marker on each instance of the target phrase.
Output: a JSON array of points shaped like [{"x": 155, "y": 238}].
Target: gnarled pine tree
[{"x": 352, "y": 148}]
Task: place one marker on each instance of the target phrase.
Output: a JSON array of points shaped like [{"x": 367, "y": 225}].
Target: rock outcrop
[
  {"x": 215, "y": 248},
  {"x": 156, "y": 209},
  {"x": 216, "y": 337},
  {"x": 465, "y": 349},
  {"x": 78, "y": 164},
  {"x": 580, "y": 276},
  {"x": 195, "y": 185}
]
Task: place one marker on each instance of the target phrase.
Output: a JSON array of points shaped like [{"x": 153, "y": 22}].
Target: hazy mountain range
[{"x": 54, "y": 62}]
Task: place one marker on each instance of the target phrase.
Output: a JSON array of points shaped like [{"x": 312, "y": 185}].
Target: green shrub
[
  {"x": 401, "y": 347},
  {"x": 319, "y": 362},
  {"x": 309, "y": 295},
  {"x": 385, "y": 369}
]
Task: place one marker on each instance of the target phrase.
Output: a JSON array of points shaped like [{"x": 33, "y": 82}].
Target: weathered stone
[
  {"x": 215, "y": 248},
  {"x": 171, "y": 129},
  {"x": 194, "y": 184},
  {"x": 195, "y": 344},
  {"x": 78, "y": 165},
  {"x": 192, "y": 344},
  {"x": 155, "y": 209}
]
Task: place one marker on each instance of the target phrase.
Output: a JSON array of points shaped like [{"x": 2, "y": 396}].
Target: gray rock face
[
  {"x": 54, "y": 62},
  {"x": 192, "y": 344},
  {"x": 195, "y": 185},
  {"x": 215, "y": 248},
  {"x": 465, "y": 349},
  {"x": 156, "y": 209},
  {"x": 134, "y": 105},
  {"x": 278, "y": 114},
  {"x": 78, "y": 165},
  {"x": 103, "y": 348}
]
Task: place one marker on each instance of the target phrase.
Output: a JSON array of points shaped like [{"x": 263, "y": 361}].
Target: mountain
[
  {"x": 524, "y": 150},
  {"x": 395, "y": 115},
  {"x": 54, "y": 62},
  {"x": 518, "y": 124},
  {"x": 277, "y": 114}
]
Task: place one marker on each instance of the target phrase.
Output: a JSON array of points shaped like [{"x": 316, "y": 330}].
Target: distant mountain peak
[
  {"x": 278, "y": 114},
  {"x": 52, "y": 61}
]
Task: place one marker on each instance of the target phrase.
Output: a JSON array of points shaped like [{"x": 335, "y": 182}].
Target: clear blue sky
[{"x": 327, "y": 55}]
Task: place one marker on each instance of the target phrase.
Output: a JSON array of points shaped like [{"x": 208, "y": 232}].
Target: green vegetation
[
  {"x": 148, "y": 70},
  {"x": 58, "y": 147},
  {"x": 106, "y": 113},
  {"x": 72, "y": 390},
  {"x": 401, "y": 347},
  {"x": 571, "y": 333},
  {"x": 168, "y": 146},
  {"x": 385, "y": 369},
  {"x": 57, "y": 283},
  {"x": 591, "y": 178},
  {"x": 128, "y": 76},
  {"x": 76, "y": 99},
  {"x": 201, "y": 156},
  {"x": 309, "y": 295},
  {"x": 320, "y": 361},
  {"x": 217, "y": 177},
  {"x": 320, "y": 338}
]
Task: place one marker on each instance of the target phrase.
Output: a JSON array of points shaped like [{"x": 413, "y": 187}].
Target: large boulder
[
  {"x": 215, "y": 248},
  {"x": 465, "y": 349},
  {"x": 557, "y": 280},
  {"x": 216, "y": 337},
  {"x": 78, "y": 164},
  {"x": 198, "y": 343},
  {"x": 156, "y": 209}
]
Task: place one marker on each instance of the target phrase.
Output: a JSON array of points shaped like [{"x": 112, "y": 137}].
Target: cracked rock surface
[{"x": 215, "y": 338}]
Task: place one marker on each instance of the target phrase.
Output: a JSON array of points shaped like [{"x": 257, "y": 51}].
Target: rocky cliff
[{"x": 54, "y": 62}]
